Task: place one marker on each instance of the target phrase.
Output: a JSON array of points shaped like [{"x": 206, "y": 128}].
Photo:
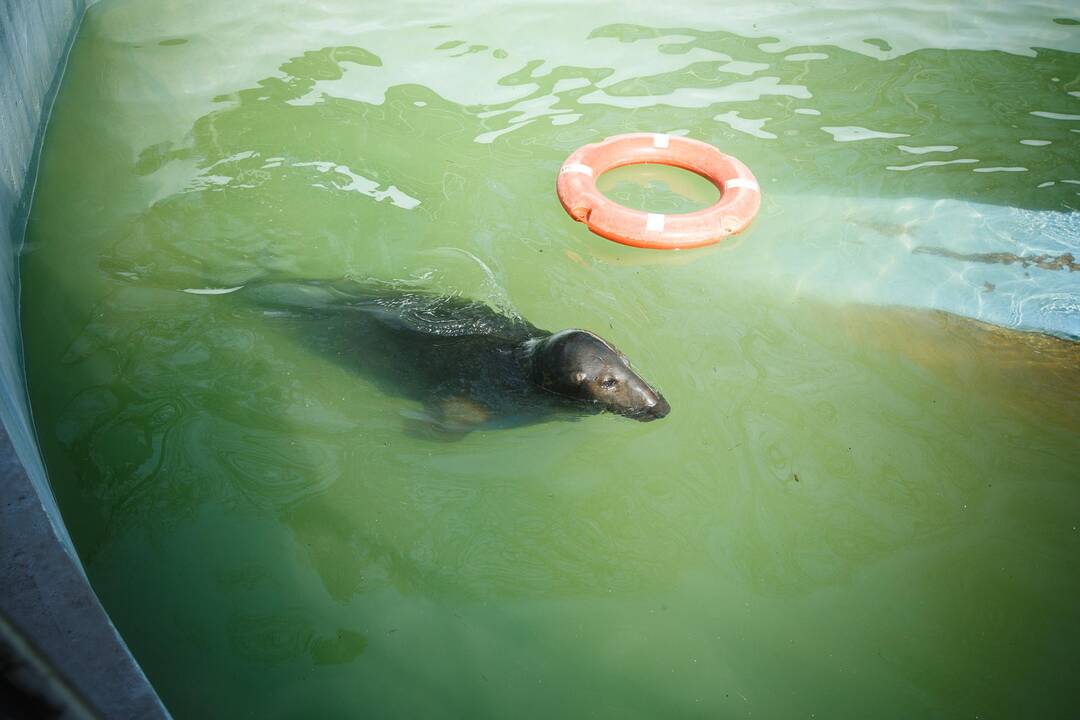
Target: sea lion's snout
[
  {"x": 581, "y": 365},
  {"x": 641, "y": 402},
  {"x": 631, "y": 396},
  {"x": 654, "y": 406}
]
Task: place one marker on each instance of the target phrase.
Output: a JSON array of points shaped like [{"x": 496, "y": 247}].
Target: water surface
[{"x": 865, "y": 500}]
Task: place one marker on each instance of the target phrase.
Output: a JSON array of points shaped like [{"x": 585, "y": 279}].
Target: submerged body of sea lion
[{"x": 468, "y": 364}]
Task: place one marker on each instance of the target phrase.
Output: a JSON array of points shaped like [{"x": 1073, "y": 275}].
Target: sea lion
[{"x": 469, "y": 365}]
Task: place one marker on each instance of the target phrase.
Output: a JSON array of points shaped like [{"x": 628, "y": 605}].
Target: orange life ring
[{"x": 739, "y": 200}]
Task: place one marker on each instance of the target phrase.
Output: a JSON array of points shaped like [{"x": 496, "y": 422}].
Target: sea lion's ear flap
[{"x": 579, "y": 377}]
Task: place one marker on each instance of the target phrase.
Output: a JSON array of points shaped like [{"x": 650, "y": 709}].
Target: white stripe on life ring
[
  {"x": 743, "y": 183},
  {"x": 212, "y": 291},
  {"x": 576, "y": 168},
  {"x": 661, "y": 140},
  {"x": 655, "y": 222}
]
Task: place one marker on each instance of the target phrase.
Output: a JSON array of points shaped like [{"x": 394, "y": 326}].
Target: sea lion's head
[{"x": 582, "y": 366}]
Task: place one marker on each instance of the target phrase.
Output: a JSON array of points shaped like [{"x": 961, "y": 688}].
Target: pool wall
[{"x": 44, "y": 593}]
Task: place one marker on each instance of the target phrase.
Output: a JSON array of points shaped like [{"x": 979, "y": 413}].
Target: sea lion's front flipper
[
  {"x": 447, "y": 419},
  {"x": 461, "y": 414}
]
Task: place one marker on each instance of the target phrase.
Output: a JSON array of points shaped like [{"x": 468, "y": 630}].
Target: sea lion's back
[
  {"x": 449, "y": 316},
  {"x": 406, "y": 309}
]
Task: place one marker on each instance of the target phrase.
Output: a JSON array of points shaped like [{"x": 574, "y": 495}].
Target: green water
[
  {"x": 658, "y": 188},
  {"x": 854, "y": 509}
]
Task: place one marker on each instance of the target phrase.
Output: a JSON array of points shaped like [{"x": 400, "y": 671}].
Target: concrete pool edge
[{"x": 46, "y": 595}]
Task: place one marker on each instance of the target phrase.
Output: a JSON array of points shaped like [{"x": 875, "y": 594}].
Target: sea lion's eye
[{"x": 608, "y": 383}]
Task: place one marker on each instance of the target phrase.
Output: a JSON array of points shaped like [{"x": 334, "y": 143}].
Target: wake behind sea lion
[{"x": 469, "y": 365}]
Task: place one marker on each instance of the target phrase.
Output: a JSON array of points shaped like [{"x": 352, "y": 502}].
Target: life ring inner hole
[{"x": 658, "y": 187}]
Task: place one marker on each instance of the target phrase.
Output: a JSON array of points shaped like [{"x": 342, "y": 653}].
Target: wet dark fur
[{"x": 468, "y": 364}]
